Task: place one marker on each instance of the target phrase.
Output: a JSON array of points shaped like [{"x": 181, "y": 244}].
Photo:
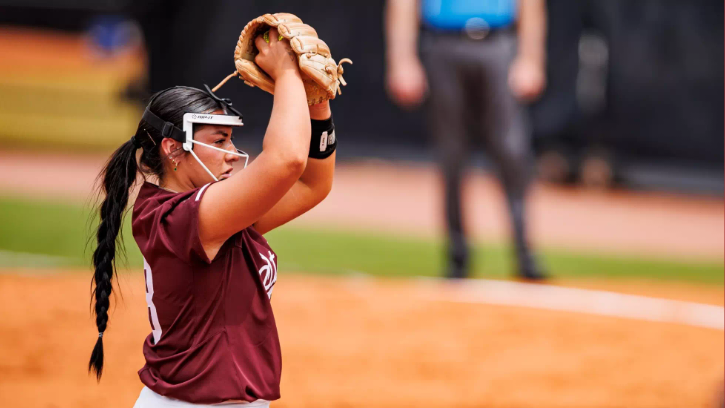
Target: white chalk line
[{"x": 595, "y": 302}]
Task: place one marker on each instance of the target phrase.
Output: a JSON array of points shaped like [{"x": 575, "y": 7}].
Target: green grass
[
  {"x": 327, "y": 251},
  {"x": 61, "y": 230}
]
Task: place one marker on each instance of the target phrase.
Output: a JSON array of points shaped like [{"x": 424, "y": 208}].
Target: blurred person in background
[
  {"x": 479, "y": 62},
  {"x": 209, "y": 271}
]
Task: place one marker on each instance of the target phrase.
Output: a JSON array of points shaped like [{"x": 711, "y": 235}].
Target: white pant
[{"x": 150, "y": 399}]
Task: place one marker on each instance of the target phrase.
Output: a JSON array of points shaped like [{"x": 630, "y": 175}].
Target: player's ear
[{"x": 168, "y": 146}]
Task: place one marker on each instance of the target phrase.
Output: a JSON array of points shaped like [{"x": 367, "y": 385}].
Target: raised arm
[
  {"x": 312, "y": 187},
  {"x": 232, "y": 205}
]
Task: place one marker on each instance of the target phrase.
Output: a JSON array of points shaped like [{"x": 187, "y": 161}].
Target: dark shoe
[
  {"x": 457, "y": 271},
  {"x": 458, "y": 261},
  {"x": 529, "y": 269}
]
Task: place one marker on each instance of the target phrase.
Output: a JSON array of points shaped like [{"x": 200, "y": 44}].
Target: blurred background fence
[{"x": 636, "y": 82}]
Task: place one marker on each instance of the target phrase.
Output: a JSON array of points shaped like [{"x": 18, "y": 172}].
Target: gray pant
[{"x": 470, "y": 103}]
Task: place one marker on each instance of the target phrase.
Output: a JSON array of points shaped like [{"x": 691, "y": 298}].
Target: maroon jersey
[{"x": 213, "y": 336}]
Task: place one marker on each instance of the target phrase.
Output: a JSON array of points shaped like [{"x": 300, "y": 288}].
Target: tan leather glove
[{"x": 321, "y": 76}]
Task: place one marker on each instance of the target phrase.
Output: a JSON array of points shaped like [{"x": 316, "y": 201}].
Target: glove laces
[{"x": 340, "y": 71}]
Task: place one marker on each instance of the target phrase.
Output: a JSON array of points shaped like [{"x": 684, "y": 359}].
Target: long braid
[{"x": 119, "y": 176}]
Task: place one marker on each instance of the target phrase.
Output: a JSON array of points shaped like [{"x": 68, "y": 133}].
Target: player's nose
[{"x": 232, "y": 156}]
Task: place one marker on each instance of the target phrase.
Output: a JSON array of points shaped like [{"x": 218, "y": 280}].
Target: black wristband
[{"x": 323, "y": 141}]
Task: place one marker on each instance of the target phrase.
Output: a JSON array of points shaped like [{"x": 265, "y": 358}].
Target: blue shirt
[{"x": 456, "y": 14}]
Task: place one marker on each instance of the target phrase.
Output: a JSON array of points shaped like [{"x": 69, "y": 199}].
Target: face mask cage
[{"x": 190, "y": 119}]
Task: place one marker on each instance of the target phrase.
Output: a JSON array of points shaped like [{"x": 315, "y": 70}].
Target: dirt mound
[{"x": 372, "y": 343}]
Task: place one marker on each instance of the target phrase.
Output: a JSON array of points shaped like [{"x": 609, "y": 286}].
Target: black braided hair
[{"x": 116, "y": 181}]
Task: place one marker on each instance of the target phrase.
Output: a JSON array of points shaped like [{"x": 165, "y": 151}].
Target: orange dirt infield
[{"x": 375, "y": 343}]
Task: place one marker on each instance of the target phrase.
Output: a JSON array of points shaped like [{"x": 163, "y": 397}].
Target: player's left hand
[{"x": 527, "y": 78}]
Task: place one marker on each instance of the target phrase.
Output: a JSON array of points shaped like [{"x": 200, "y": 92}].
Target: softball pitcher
[{"x": 209, "y": 271}]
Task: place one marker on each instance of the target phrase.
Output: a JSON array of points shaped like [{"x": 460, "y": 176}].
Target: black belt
[{"x": 473, "y": 35}]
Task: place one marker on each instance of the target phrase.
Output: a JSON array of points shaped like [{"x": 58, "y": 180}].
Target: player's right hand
[
  {"x": 406, "y": 82},
  {"x": 276, "y": 58}
]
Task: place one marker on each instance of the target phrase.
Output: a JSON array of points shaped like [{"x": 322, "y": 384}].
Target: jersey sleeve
[{"x": 173, "y": 226}]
